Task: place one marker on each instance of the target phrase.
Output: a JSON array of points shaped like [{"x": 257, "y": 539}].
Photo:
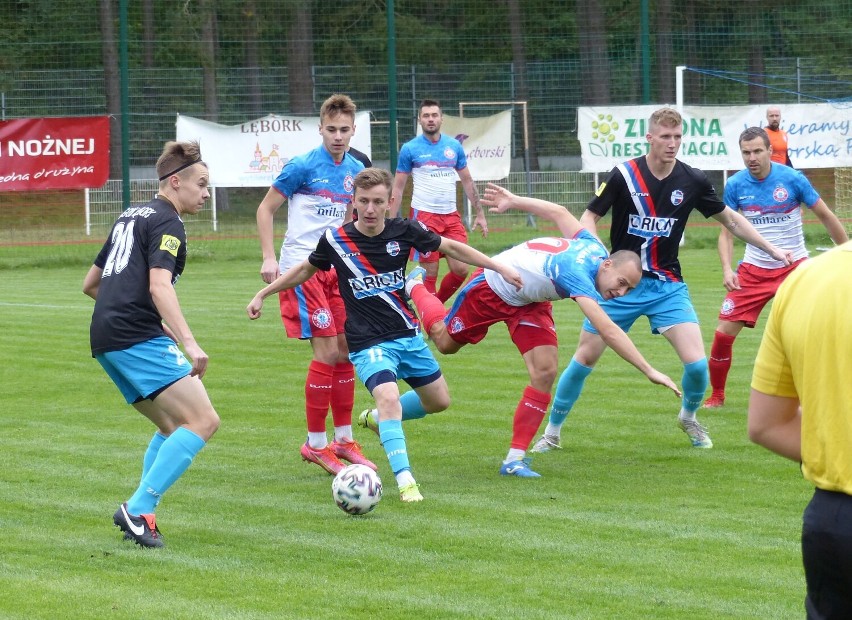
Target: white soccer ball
[{"x": 356, "y": 489}]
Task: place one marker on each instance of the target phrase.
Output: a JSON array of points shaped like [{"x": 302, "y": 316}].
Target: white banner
[
  {"x": 819, "y": 134},
  {"x": 253, "y": 153},
  {"x": 487, "y": 143}
]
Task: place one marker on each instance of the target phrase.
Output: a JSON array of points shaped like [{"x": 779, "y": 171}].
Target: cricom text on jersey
[
  {"x": 378, "y": 283},
  {"x": 647, "y": 226}
]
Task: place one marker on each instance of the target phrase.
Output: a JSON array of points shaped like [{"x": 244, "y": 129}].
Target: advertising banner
[
  {"x": 819, "y": 134},
  {"x": 253, "y": 153},
  {"x": 487, "y": 143},
  {"x": 54, "y": 153}
]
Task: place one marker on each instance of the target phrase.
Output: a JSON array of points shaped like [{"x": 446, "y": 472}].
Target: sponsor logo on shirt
[
  {"x": 378, "y": 283},
  {"x": 648, "y": 227},
  {"x": 170, "y": 244}
]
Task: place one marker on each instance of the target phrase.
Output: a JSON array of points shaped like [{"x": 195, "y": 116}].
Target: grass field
[{"x": 627, "y": 522}]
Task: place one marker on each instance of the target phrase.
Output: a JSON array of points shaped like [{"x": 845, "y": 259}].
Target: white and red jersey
[
  {"x": 432, "y": 166},
  {"x": 319, "y": 190},
  {"x": 772, "y": 206},
  {"x": 551, "y": 268}
]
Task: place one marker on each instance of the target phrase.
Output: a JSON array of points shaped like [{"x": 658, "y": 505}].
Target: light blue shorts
[
  {"x": 406, "y": 358},
  {"x": 664, "y": 303},
  {"x": 145, "y": 369}
]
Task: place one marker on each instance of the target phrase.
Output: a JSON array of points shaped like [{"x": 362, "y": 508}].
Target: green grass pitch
[{"x": 628, "y": 521}]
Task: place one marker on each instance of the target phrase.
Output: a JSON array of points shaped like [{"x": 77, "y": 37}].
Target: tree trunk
[
  {"x": 665, "y": 54},
  {"x": 519, "y": 60},
  {"x": 112, "y": 84},
  {"x": 300, "y": 60},
  {"x": 594, "y": 60},
  {"x": 252, "y": 59}
]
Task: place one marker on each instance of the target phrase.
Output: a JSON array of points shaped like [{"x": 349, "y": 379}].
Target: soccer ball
[{"x": 356, "y": 489}]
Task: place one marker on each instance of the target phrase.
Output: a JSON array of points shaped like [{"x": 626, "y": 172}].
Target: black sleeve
[
  {"x": 605, "y": 195},
  {"x": 321, "y": 257},
  {"x": 362, "y": 157}
]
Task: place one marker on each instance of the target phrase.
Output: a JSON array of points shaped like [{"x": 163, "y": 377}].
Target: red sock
[
  {"x": 449, "y": 285},
  {"x": 721, "y": 354},
  {"x": 343, "y": 394},
  {"x": 430, "y": 283},
  {"x": 318, "y": 395},
  {"x": 528, "y": 416},
  {"x": 429, "y": 307}
]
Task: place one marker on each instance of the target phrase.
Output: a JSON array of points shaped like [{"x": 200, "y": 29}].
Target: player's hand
[
  {"x": 269, "y": 270},
  {"x": 498, "y": 198},
  {"x": 511, "y": 276},
  {"x": 198, "y": 358},
  {"x": 254, "y": 307},
  {"x": 731, "y": 281},
  {"x": 479, "y": 220},
  {"x": 785, "y": 257},
  {"x": 655, "y": 376}
]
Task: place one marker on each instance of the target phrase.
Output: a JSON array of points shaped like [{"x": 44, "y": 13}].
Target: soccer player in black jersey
[
  {"x": 651, "y": 198},
  {"x": 385, "y": 343},
  {"x": 137, "y": 327}
]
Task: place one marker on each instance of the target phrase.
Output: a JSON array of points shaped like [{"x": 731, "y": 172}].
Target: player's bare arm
[
  {"x": 92, "y": 281},
  {"x": 265, "y": 217},
  {"x": 618, "y": 341},
  {"x": 501, "y": 200},
  {"x": 165, "y": 300},
  {"x": 473, "y": 197},
  {"x": 775, "y": 422},
  {"x": 742, "y": 229},
  {"x": 726, "y": 256},
  {"x": 296, "y": 275},
  {"x": 399, "y": 181},
  {"x": 469, "y": 255},
  {"x": 829, "y": 220}
]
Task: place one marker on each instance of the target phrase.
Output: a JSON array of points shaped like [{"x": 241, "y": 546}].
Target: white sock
[
  {"x": 552, "y": 430},
  {"x": 343, "y": 433},
  {"x": 514, "y": 455},
  {"x": 686, "y": 415},
  {"x": 317, "y": 441},
  {"x": 404, "y": 478}
]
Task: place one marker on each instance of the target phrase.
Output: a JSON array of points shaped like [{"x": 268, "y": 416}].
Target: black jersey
[
  {"x": 362, "y": 157},
  {"x": 371, "y": 277},
  {"x": 649, "y": 214},
  {"x": 142, "y": 238}
]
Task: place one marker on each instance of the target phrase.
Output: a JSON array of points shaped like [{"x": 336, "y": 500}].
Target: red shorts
[
  {"x": 447, "y": 225},
  {"x": 314, "y": 308},
  {"x": 757, "y": 286},
  {"x": 477, "y": 307}
]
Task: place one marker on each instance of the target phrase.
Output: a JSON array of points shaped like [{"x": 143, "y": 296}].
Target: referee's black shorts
[{"x": 827, "y": 555}]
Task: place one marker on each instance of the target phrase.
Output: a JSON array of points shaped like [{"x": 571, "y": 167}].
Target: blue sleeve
[
  {"x": 807, "y": 193},
  {"x": 403, "y": 164},
  {"x": 461, "y": 157},
  {"x": 291, "y": 177},
  {"x": 730, "y": 195}
]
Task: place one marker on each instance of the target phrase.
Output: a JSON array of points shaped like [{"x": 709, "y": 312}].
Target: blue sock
[
  {"x": 412, "y": 406},
  {"x": 173, "y": 458},
  {"x": 696, "y": 377},
  {"x": 393, "y": 441},
  {"x": 151, "y": 453},
  {"x": 568, "y": 391}
]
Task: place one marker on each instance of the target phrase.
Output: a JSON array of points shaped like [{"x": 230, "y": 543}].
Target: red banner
[{"x": 54, "y": 153}]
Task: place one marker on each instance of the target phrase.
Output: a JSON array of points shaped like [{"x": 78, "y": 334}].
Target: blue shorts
[
  {"x": 406, "y": 358},
  {"x": 145, "y": 369},
  {"x": 664, "y": 303}
]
